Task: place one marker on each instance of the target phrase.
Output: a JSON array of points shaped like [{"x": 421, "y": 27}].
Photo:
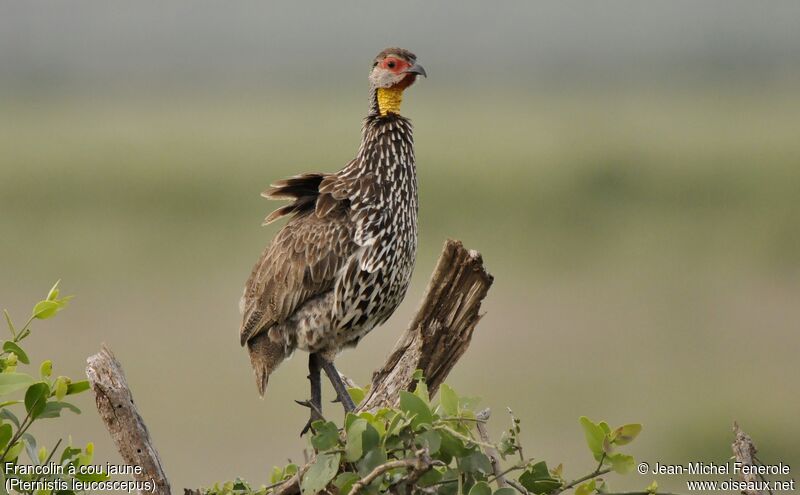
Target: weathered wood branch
[
  {"x": 744, "y": 451},
  {"x": 437, "y": 337},
  {"x": 118, "y": 411}
]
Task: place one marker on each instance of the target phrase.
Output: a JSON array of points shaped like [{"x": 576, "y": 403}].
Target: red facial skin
[
  {"x": 394, "y": 64},
  {"x": 399, "y": 66}
]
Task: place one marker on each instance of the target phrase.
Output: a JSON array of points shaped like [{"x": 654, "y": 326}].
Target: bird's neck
[
  {"x": 389, "y": 100},
  {"x": 385, "y": 101}
]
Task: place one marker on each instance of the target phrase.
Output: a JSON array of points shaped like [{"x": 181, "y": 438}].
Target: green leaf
[
  {"x": 396, "y": 425},
  {"x": 320, "y": 473},
  {"x": 476, "y": 462},
  {"x": 60, "y": 386},
  {"x": 361, "y": 437},
  {"x": 652, "y": 487},
  {"x": 480, "y": 488},
  {"x": 53, "y": 409},
  {"x": 46, "y": 368},
  {"x": 431, "y": 440},
  {"x": 421, "y": 391},
  {"x": 372, "y": 459},
  {"x": 448, "y": 400},
  {"x": 36, "y": 398},
  {"x": 505, "y": 491},
  {"x": 622, "y": 463},
  {"x": 276, "y": 476},
  {"x": 9, "y": 322},
  {"x": 594, "y": 436},
  {"x": 344, "y": 482},
  {"x": 413, "y": 405},
  {"x": 431, "y": 477},
  {"x": 452, "y": 446},
  {"x": 13, "y": 452},
  {"x": 586, "y": 488},
  {"x": 69, "y": 453},
  {"x": 46, "y": 309},
  {"x": 625, "y": 434},
  {"x": 469, "y": 403},
  {"x": 537, "y": 479},
  {"x": 326, "y": 436},
  {"x": 53, "y": 294},
  {"x": 11, "y": 382},
  {"x": 7, "y": 414},
  {"x": 9, "y": 346},
  {"x": 357, "y": 394},
  {"x": 30, "y": 446},
  {"x": 78, "y": 387},
  {"x": 5, "y": 435}
]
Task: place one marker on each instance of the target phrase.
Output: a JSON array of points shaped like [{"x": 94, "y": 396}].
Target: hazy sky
[{"x": 83, "y": 42}]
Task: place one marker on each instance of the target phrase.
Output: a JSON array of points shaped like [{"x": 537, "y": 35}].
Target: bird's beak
[{"x": 416, "y": 69}]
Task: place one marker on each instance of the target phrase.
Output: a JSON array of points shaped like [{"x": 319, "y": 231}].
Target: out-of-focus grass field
[{"x": 645, "y": 243}]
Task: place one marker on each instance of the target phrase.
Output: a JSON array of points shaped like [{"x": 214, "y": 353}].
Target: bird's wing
[
  {"x": 303, "y": 259},
  {"x": 364, "y": 196}
]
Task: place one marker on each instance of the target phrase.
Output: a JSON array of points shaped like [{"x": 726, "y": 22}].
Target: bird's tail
[
  {"x": 265, "y": 356},
  {"x": 302, "y": 189}
]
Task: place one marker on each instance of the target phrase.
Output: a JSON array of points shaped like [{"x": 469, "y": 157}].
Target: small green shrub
[
  {"x": 421, "y": 447},
  {"x": 46, "y": 470}
]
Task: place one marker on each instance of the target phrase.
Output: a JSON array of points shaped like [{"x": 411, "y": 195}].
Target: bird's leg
[
  {"x": 315, "y": 404},
  {"x": 338, "y": 384}
]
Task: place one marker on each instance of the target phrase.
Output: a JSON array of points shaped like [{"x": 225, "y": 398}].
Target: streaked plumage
[{"x": 342, "y": 263}]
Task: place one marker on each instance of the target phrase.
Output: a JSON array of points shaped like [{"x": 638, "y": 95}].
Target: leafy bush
[
  {"x": 443, "y": 448},
  {"x": 44, "y": 398}
]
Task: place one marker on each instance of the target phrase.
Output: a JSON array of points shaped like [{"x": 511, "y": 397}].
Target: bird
[{"x": 342, "y": 263}]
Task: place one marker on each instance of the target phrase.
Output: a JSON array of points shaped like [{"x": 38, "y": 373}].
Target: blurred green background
[{"x": 629, "y": 170}]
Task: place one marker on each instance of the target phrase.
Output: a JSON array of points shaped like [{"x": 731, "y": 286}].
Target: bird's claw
[
  {"x": 307, "y": 428},
  {"x": 316, "y": 415}
]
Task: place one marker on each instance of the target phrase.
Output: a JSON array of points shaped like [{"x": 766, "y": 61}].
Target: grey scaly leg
[
  {"x": 315, "y": 404},
  {"x": 338, "y": 385}
]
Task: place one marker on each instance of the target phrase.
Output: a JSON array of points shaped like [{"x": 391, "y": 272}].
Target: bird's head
[{"x": 393, "y": 70}]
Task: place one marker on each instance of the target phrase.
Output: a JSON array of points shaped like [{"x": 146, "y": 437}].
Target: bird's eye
[{"x": 391, "y": 64}]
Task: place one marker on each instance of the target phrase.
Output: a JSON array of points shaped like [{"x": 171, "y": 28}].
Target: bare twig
[
  {"x": 418, "y": 465},
  {"x": 594, "y": 474},
  {"x": 518, "y": 487},
  {"x": 126, "y": 426},
  {"x": 494, "y": 457}
]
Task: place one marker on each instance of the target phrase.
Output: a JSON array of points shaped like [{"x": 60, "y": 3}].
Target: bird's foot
[{"x": 316, "y": 415}]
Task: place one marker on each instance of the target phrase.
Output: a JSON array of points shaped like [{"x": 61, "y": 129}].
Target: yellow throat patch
[{"x": 389, "y": 100}]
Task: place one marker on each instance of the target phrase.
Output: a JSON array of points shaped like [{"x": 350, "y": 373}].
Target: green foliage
[
  {"x": 421, "y": 446},
  {"x": 43, "y": 398},
  {"x": 602, "y": 441}
]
